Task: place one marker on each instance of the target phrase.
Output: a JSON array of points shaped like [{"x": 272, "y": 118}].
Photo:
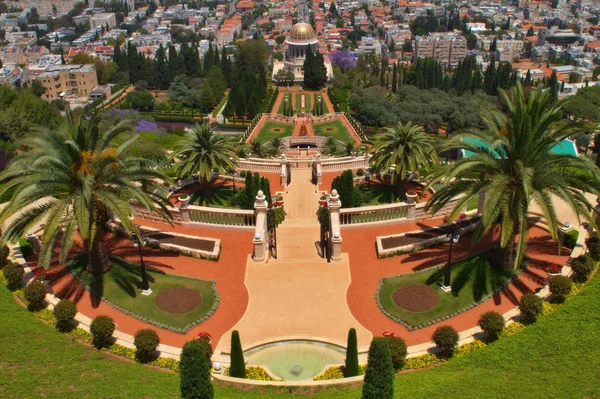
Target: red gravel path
[
  {"x": 366, "y": 270},
  {"x": 228, "y": 273}
]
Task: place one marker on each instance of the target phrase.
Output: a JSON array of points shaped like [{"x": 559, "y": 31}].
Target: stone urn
[
  {"x": 411, "y": 197},
  {"x": 184, "y": 199}
]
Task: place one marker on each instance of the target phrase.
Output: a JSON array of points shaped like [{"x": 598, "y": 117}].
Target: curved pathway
[{"x": 299, "y": 294}]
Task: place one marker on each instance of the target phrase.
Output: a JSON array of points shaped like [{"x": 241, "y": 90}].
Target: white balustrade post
[
  {"x": 260, "y": 232},
  {"x": 319, "y": 171},
  {"x": 185, "y": 214},
  {"x": 283, "y": 169},
  {"x": 482, "y": 196},
  {"x": 411, "y": 211},
  {"x": 336, "y": 236}
]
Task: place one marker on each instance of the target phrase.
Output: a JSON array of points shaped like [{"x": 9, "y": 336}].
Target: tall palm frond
[
  {"x": 201, "y": 151},
  {"x": 72, "y": 180},
  {"x": 513, "y": 162}
]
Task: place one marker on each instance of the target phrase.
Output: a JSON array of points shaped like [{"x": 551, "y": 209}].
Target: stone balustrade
[
  {"x": 345, "y": 163},
  {"x": 279, "y": 118},
  {"x": 260, "y": 165}
]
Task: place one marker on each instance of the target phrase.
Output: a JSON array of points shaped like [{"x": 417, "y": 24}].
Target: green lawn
[
  {"x": 307, "y": 104},
  {"x": 122, "y": 286},
  {"x": 471, "y": 280},
  {"x": 267, "y": 133},
  {"x": 289, "y": 97},
  {"x": 333, "y": 128},
  {"x": 220, "y": 106},
  {"x": 557, "y": 357}
]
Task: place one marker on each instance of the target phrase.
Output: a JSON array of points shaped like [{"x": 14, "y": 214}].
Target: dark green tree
[
  {"x": 379, "y": 376},
  {"x": 194, "y": 372},
  {"x": 554, "y": 86},
  {"x": 351, "y": 366},
  {"x": 394, "y": 79},
  {"x": 238, "y": 365}
]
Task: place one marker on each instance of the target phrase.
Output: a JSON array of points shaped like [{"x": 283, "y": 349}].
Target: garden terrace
[
  {"x": 473, "y": 281},
  {"x": 121, "y": 285},
  {"x": 335, "y": 129},
  {"x": 271, "y": 130}
]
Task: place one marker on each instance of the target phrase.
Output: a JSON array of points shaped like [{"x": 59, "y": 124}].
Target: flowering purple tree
[
  {"x": 342, "y": 59},
  {"x": 146, "y": 126}
]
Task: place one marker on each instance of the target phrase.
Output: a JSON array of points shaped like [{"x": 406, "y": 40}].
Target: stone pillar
[
  {"x": 185, "y": 214},
  {"x": 411, "y": 211},
  {"x": 336, "y": 236},
  {"x": 319, "y": 171},
  {"x": 260, "y": 232},
  {"x": 283, "y": 164},
  {"x": 482, "y": 196}
]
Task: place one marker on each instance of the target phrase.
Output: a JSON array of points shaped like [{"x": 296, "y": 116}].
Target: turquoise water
[
  {"x": 565, "y": 147},
  {"x": 295, "y": 360}
]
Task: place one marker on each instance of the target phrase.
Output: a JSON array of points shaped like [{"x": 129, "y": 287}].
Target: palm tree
[
  {"x": 275, "y": 146},
  {"x": 512, "y": 161},
  {"x": 259, "y": 148},
  {"x": 202, "y": 151},
  {"x": 349, "y": 147},
  {"x": 402, "y": 149},
  {"x": 73, "y": 180},
  {"x": 330, "y": 145}
]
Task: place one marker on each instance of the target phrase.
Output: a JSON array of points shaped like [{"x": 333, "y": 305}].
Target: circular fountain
[{"x": 295, "y": 360}]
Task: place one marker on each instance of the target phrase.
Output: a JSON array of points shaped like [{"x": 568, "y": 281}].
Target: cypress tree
[
  {"x": 527, "y": 78},
  {"x": 62, "y": 56},
  {"x": 379, "y": 376},
  {"x": 249, "y": 191},
  {"x": 351, "y": 367},
  {"x": 238, "y": 366},
  {"x": 554, "y": 86},
  {"x": 322, "y": 106},
  {"x": 394, "y": 79},
  {"x": 489, "y": 80},
  {"x": 209, "y": 57},
  {"x": 194, "y": 372},
  {"x": 173, "y": 63},
  {"x": 383, "y": 69},
  {"x": 118, "y": 58}
]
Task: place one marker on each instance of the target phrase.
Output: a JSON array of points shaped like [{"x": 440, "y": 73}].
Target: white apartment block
[{"x": 101, "y": 19}]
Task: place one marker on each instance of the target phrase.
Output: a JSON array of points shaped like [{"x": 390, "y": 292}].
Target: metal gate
[
  {"x": 325, "y": 223},
  {"x": 272, "y": 231}
]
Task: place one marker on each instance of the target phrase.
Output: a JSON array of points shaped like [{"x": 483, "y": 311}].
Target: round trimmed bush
[
  {"x": 146, "y": 341},
  {"x": 360, "y": 172},
  {"x": 492, "y": 323},
  {"x": 65, "y": 312},
  {"x": 445, "y": 338},
  {"x": 102, "y": 327},
  {"x": 531, "y": 305},
  {"x": 583, "y": 266},
  {"x": 560, "y": 286},
  {"x": 35, "y": 292},
  {"x": 398, "y": 352},
  {"x": 243, "y": 173},
  {"x": 13, "y": 274},
  {"x": 570, "y": 238},
  {"x": 593, "y": 244}
]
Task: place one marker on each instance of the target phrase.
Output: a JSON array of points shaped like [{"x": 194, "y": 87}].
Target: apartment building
[
  {"x": 61, "y": 80},
  {"x": 102, "y": 19},
  {"x": 45, "y": 7},
  {"x": 446, "y": 48}
]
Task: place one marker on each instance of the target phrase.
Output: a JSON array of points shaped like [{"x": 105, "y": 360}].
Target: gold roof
[{"x": 302, "y": 32}]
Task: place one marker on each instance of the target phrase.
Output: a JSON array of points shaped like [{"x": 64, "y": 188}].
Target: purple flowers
[
  {"x": 343, "y": 59},
  {"x": 146, "y": 126},
  {"x": 122, "y": 113}
]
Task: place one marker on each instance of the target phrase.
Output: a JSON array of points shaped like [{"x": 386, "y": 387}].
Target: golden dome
[{"x": 302, "y": 32}]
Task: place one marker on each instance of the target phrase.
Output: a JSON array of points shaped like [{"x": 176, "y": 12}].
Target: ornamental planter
[
  {"x": 323, "y": 202},
  {"x": 184, "y": 199},
  {"x": 411, "y": 198}
]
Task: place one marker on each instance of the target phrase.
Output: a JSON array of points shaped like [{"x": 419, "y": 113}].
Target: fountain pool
[{"x": 295, "y": 360}]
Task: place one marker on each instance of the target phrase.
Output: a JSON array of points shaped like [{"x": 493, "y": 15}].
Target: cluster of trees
[
  {"x": 431, "y": 108},
  {"x": 21, "y": 111},
  {"x": 246, "y": 196},
  {"x": 248, "y": 80},
  {"x": 350, "y": 195},
  {"x": 203, "y": 93}
]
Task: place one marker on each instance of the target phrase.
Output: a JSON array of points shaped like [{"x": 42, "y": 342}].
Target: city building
[
  {"x": 102, "y": 19},
  {"x": 45, "y": 7},
  {"x": 369, "y": 45},
  {"x": 446, "y": 48},
  {"x": 62, "y": 80},
  {"x": 301, "y": 37}
]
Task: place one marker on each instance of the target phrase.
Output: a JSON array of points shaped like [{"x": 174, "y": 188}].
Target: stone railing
[
  {"x": 201, "y": 216},
  {"x": 401, "y": 212},
  {"x": 303, "y": 140},
  {"x": 260, "y": 165},
  {"x": 377, "y": 214},
  {"x": 324, "y": 118},
  {"x": 345, "y": 163}
]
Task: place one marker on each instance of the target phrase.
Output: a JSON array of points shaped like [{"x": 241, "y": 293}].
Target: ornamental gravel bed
[
  {"x": 178, "y": 300},
  {"x": 415, "y": 238},
  {"x": 415, "y": 298}
]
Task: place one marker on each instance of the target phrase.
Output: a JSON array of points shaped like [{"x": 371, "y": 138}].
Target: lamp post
[
  {"x": 232, "y": 175},
  {"x": 146, "y": 290},
  {"x": 369, "y": 178},
  {"x": 453, "y": 237}
]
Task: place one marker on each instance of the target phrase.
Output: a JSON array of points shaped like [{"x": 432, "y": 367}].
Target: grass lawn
[
  {"x": 557, "y": 357},
  {"x": 269, "y": 130},
  {"x": 289, "y": 97},
  {"x": 122, "y": 286},
  {"x": 335, "y": 129},
  {"x": 220, "y": 106},
  {"x": 471, "y": 280},
  {"x": 307, "y": 103}
]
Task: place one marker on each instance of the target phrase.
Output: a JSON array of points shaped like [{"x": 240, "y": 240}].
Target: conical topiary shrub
[
  {"x": 351, "y": 367},
  {"x": 194, "y": 373},
  {"x": 238, "y": 365}
]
